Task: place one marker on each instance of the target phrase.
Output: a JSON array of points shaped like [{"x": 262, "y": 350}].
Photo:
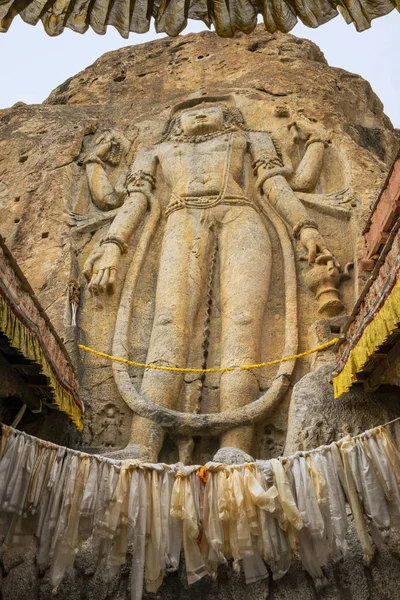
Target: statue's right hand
[
  {"x": 99, "y": 151},
  {"x": 100, "y": 269}
]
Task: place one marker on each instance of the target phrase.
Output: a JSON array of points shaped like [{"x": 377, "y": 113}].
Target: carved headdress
[{"x": 225, "y": 101}]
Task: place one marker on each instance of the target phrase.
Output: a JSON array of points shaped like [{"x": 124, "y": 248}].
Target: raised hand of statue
[
  {"x": 100, "y": 269},
  {"x": 108, "y": 148},
  {"x": 100, "y": 150},
  {"x": 316, "y": 248},
  {"x": 303, "y": 130}
]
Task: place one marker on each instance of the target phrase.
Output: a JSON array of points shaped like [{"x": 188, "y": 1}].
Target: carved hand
[
  {"x": 101, "y": 149},
  {"x": 296, "y": 132},
  {"x": 103, "y": 146},
  {"x": 315, "y": 245},
  {"x": 100, "y": 269},
  {"x": 307, "y": 131}
]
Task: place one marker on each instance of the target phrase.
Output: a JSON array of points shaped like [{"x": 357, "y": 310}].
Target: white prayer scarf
[{"x": 250, "y": 513}]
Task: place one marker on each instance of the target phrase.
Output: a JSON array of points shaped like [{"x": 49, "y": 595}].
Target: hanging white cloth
[{"x": 254, "y": 514}]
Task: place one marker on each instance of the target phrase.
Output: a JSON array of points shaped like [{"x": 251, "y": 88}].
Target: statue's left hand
[{"x": 315, "y": 245}]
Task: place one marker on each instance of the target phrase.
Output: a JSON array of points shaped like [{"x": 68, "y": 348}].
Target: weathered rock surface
[
  {"x": 135, "y": 83},
  {"x": 316, "y": 418},
  {"x": 276, "y": 80},
  {"x": 350, "y": 578}
]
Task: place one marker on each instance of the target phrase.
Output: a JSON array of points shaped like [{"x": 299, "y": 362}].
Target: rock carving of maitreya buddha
[{"x": 204, "y": 155}]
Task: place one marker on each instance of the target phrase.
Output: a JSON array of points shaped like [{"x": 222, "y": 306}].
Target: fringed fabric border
[
  {"x": 25, "y": 341},
  {"x": 171, "y": 16},
  {"x": 381, "y": 327}
]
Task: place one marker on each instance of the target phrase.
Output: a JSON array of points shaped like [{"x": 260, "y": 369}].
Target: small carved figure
[
  {"x": 317, "y": 433},
  {"x": 110, "y": 426},
  {"x": 203, "y": 157}
]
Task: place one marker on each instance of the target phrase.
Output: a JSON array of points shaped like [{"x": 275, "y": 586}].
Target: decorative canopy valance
[
  {"x": 171, "y": 16},
  {"x": 370, "y": 338},
  {"x": 33, "y": 350}
]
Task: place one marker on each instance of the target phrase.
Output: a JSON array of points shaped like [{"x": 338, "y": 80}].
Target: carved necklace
[{"x": 195, "y": 139}]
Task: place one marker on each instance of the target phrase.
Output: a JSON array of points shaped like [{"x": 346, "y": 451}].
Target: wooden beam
[
  {"x": 12, "y": 385},
  {"x": 28, "y": 368}
]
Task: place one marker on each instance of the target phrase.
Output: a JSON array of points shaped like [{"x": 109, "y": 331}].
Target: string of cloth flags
[{"x": 257, "y": 513}]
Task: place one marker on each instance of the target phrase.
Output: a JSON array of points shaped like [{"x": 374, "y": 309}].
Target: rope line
[{"x": 211, "y": 370}]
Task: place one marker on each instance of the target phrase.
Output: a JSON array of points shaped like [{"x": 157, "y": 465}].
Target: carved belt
[{"x": 179, "y": 202}]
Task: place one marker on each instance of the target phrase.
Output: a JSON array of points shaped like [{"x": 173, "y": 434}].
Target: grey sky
[{"x": 33, "y": 64}]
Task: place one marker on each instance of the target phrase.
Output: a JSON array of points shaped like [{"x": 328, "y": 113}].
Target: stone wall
[{"x": 348, "y": 579}]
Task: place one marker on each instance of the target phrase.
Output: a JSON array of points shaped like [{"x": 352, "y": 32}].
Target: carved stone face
[{"x": 204, "y": 119}]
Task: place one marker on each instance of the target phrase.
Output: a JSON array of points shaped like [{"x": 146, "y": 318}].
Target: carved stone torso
[{"x": 197, "y": 170}]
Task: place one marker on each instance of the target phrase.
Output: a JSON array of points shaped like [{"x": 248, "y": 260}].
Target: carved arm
[
  {"x": 127, "y": 221},
  {"x": 101, "y": 267},
  {"x": 309, "y": 170},
  {"x": 103, "y": 193},
  {"x": 107, "y": 150},
  {"x": 282, "y": 197},
  {"x": 271, "y": 170}
]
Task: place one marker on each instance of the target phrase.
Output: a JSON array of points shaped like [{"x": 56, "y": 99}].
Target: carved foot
[
  {"x": 132, "y": 452},
  {"x": 232, "y": 456}
]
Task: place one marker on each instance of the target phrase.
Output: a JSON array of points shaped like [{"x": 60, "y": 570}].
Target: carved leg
[
  {"x": 245, "y": 253},
  {"x": 145, "y": 441},
  {"x": 181, "y": 282}
]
